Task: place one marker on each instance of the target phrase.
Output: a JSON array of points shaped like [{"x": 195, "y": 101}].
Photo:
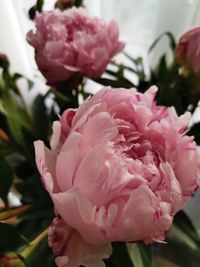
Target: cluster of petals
[
  {"x": 188, "y": 50},
  {"x": 71, "y": 42},
  {"x": 119, "y": 168}
]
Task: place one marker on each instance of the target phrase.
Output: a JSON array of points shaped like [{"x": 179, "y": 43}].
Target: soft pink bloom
[
  {"x": 72, "y": 42},
  {"x": 119, "y": 169},
  {"x": 188, "y": 50}
]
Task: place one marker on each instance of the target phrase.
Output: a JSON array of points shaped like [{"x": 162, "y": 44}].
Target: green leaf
[
  {"x": 162, "y": 68},
  {"x": 160, "y": 261},
  {"x": 30, "y": 84},
  {"x": 170, "y": 36},
  {"x": 176, "y": 252},
  {"x": 41, "y": 256},
  {"x": 140, "y": 254},
  {"x": 10, "y": 238},
  {"x": 40, "y": 118},
  {"x": 120, "y": 76},
  {"x": 114, "y": 83},
  {"x": 6, "y": 179},
  {"x": 78, "y": 3},
  {"x": 4, "y": 63},
  {"x": 31, "y": 189},
  {"x": 38, "y": 7},
  {"x": 186, "y": 230},
  {"x": 15, "y": 159},
  {"x": 18, "y": 76},
  {"x": 17, "y": 117},
  {"x": 43, "y": 208},
  {"x": 32, "y": 12},
  {"x": 124, "y": 67}
]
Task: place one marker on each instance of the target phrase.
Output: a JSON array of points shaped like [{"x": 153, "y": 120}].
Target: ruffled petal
[{"x": 72, "y": 251}]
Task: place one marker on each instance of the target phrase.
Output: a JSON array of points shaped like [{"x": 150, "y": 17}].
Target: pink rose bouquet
[
  {"x": 71, "y": 42},
  {"x": 188, "y": 50},
  {"x": 119, "y": 168}
]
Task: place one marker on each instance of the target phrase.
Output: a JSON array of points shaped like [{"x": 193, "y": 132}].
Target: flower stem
[
  {"x": 32, "y": 246},
  {"x": 7, "y": 214},
  {"x": 18, "y": 260}
]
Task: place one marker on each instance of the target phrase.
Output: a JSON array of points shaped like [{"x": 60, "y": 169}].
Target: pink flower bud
[{"x": 188, "y": 50}]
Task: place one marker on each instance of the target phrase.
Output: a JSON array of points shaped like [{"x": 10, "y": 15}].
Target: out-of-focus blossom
[
  {"x": 188, "y": 50},
  {"x": 71, "y": 42}
]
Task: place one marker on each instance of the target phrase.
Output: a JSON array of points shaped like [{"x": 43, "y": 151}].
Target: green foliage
[
  {"x": 10, "y": 239},
  {"x": 4, "y": 63},
  {"x": 17, "y": 118},
  {"x": 38, "y": 7},
  {"x": 6, "y": 179},
  {"x": 114, "y": 83},
  {"x": 140, "y": 254},
  {"x": 41, "y": 209},
  {"x": 172, "y": 42},
  {"x": 30, "y": 189},
  {"x": 184, "y": 227},
  {"x": 78, "y": 3},
  {"x": 40, "y": 118},
  {"x": 37, "y": 257}
]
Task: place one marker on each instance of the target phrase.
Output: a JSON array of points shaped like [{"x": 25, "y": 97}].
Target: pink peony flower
[
  {"x": 188, "y": 50},
  {"x": 119, "y": 169},
  {"x": 71, "y": 42}
]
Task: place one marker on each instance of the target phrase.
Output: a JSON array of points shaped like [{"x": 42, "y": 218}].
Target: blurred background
[{"x": 140, "y": 22}]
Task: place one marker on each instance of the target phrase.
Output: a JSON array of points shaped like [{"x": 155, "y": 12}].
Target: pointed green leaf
[
  {"x": 4, "y": 62},
  {"x": 38, "y": 7},
  {"x": 6, "y": 178},
  {"x": 17, "y": 117},
  {"x": 170, "y": 36},
  {"x": 140, "y": 254},
  {"x": 40, "y": 118},
  {"x": 185, "y": 230}
]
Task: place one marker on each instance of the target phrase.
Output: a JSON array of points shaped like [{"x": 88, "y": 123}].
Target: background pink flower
[
  {"x": 119, "y": 169},
  {"x": 72, "y": 42},
  {"x": 188, "y": 50}
]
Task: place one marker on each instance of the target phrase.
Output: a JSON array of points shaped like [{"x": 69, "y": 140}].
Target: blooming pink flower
[
  {"x": 188, "y": 50},
  {"x": 72, "y": 42},
  {"x": 119, "y": 169}
]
